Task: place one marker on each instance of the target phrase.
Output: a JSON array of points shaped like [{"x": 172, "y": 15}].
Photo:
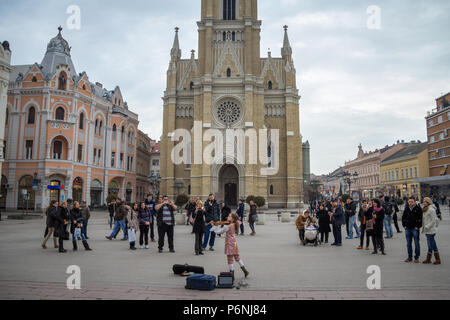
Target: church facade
[{"x": 229, "y": 86}]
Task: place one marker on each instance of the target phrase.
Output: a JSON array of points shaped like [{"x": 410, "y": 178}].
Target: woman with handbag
[
  {"x": 377, "y": 233},
  {"x": 366, "y": 219},
  {"x": 76, "y": 217},
  {"x": 144, "y": 219},
  {"x": 198, "y": 222},
  {"x": 133, "y": 224},
  {"x": 430, "y": 226},
  {"x": 252, "y": 217}
]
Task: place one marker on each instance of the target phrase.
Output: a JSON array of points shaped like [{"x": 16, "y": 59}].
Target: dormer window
[
  {"x": 62, "y": 81},
  {"x": 84, "y": 87},
  {"x": 229, "y": 9},
  {"x": 34, "y": 79}
]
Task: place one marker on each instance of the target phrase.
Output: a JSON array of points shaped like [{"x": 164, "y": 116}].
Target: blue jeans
[
  {"x": 83, "y": 237},
  {"x": 432, "y": 247},
  {"x": 388, "y": 226},
  {"x": 111, "y": 219},
  {"x": 352, "y": 224},
  {"x": 85, "y": 223},
  {"x": 119, "y": 225},
  {"x": 410, "y": 235},
  {"x": 207, "y": 237}
]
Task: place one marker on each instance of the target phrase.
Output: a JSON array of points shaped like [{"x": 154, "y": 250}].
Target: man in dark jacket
[
  {"x": 350, "y": 211},
  {"x": 412, "y": 222},
  {"x": 166, "y": 221},
  {"x": 337, "y": 219},
  {"x": 150, "y": 204},
  {"x": 212, "y": 215},
  {"x": 241, "y": 212},
  {"x": 86, "y": 217},
  {"x": 394, "y": 215},
  {"x": 119, "y": 221}
]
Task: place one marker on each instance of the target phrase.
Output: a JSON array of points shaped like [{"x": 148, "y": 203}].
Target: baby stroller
[{"x": 312, "y": 235}]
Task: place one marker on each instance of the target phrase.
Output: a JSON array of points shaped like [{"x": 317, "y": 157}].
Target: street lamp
[{"x": 348, "y": 179}]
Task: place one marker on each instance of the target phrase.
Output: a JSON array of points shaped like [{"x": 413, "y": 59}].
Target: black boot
[
  {"x": 246, "y": 273},
  {"x": 75, "y": 246},
  {"x": 86, "y": 246}
]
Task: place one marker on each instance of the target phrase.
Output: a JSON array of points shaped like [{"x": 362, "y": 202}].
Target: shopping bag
[
  {"x": 132, "y": 235},
  {"x": 77, "y": 233}
]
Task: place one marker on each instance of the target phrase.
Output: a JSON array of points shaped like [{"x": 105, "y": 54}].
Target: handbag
[
  {"x": 131, "y": 235},
  {"x": 370, "y": 224},
  {"x": 77, "y": 233}
]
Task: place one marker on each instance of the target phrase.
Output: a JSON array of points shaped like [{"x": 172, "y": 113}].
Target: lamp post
[{"x": 348, "y": 179}]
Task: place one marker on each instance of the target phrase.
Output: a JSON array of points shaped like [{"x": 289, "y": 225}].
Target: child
[
  {"x": 304, "y": 220},
  {"x": 231, "y": 248}
]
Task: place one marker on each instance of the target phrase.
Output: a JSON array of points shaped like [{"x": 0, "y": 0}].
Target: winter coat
[
  {"x": 145, "y": 216},
  {"x": 159, "y": 215},
  {"x": 225, "y": 213},
  {"x": 241, "y": 210},
  {"x": 212, "y": 211},
  {"x": 199, "y": 223},
  {"x": 350, "y": 209},
  {"x": 378, "y": 227},
  {"x": 61, "y": 215},
  {"x": 75, "y": 215},
  {"x": 324, "y": 221},
  {"x": 412, "y": 218},
  {"x": 86, "y": 213},
  {"x": 132, "y": 219},
  {"x": 338, "y": 216},
  {"x": 121, "y": 213},
  {"x": 150, "y": 204},
  {"x": 364, "y": 216},
  {"x": 190, "y": 208},
  {"x": 430, "y": 221},
  {"x": 303, "y": 221},
  {"x": 51, "y": 217}
]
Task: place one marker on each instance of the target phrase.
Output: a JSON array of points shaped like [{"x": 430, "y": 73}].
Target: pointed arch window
[
  {"x": 7, "y": 117},
  {"x": 31, "y": 115},
  {"x": 114, "y": 131},
  {"x": 123, "y": 133},
  {"x": 96, "y": 126},
  {"x": 100, "y": 128},
  {"x": 228, "y": 73},
  {"x": 270, "y": 85},
  {"x": 271, "y": 190},
  {"x": 81, "y": 124},
  {"x": 60, "y": 114},
  {"x": 229, "y": 9},
  {"x": 191, "y": 86}
]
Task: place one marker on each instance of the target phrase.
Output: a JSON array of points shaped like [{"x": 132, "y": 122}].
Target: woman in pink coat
[{"x": 230, "y": 227}]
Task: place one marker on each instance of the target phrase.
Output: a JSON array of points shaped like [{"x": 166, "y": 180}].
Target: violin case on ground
[{"x": 181, "y": 269}]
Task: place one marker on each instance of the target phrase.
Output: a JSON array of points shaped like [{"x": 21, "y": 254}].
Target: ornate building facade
[
  {"x": 65, "y": 136},
  {"x": 144, "y": 147},
  {"x": 230, "y": 86}
]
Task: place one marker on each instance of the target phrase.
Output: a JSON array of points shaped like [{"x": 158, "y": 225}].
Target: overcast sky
[{"x": 358, "y": 85}]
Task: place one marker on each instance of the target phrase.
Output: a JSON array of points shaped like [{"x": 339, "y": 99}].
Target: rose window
[{"x": 228, "y": 112}]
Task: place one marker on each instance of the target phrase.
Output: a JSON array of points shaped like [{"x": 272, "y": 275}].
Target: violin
[{"x": 222, "y": 223}]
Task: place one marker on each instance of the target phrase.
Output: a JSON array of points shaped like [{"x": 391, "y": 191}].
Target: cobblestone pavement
[{"x": 280, "y": 267}]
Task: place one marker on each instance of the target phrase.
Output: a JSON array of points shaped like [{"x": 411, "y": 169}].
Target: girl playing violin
[{"x": 230, "y": 227}]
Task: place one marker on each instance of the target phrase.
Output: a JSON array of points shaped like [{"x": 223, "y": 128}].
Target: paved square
[{"x": 280, "y": 267}]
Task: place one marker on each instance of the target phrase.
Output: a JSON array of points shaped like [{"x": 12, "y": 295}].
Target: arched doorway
[
  {"x": 129, "y": 192},
  {"x": 3, "y": 192},
  {"x": 229, "y": 185},
  {"x": 113, "y": 188},
  {"x": 96, "y": 193},
  {"x": 77, "y": 189},
  {"x": 25, "y": 199},
  {"x": 55, "y": 190}
]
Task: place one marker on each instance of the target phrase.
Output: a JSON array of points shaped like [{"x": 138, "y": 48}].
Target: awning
[{"x": 435, "y": 181}]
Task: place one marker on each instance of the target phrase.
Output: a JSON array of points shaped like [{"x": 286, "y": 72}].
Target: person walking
[
  {"x": 365, "y": 214},
  {"x": 150, "y": 204},
  {"x": 133, "y": 224},
  {"x": 430, "y": 227},
  {"x": 86, "y": 217},
  {"x": 337, "y": 220},
  {"x": 166, "y": 223},
  {"x": 388, "y": 212},
  {"x": 437, "y": 208},
  {"x": 304, "y": 219},
  {"x": 378, "y": 214},
  {"x": 212, "y": 215},
  {"x": 198, "y": 218},
  {"x": 350, "y": 212},
  {"x": 231, "y": 247},
  {"x": 241, "y": 213},
  {"x": 252, "y": 217},
  {"x": 120, "y": 216},
  {"x": 51, "y": 212},
  {"x": 111, "y": 210},
  {"x": 145, "y": 220},
  {"x": 324, "y": 223},
  {"x": 395, "y": 214},
  {"x": 61, "y": 221},
  {"x": 76, "y": 228},
  {"x": 412, "y": 222}
]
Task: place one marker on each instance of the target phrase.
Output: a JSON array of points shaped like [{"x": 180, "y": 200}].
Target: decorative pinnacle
[
  {"x": 60, "y": 29},
  {"x": 285, "y": 27},
  {"x": 177, "y": 29}
]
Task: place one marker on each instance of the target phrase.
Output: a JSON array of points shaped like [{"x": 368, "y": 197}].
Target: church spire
[
  {"x": 286, "y": 51},
  {"x": 176, "y": 52}
]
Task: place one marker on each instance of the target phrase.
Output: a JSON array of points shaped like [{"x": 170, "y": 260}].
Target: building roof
[
  {"x": 407, "y": 152},
  {"x": 156, "y": 149}
]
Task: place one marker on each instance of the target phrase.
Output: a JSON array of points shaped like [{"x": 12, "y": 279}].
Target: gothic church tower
[{"x": 230, "y": 86}]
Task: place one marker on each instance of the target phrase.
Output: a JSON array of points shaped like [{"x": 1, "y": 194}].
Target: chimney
[{"x": 98, "y": 84}]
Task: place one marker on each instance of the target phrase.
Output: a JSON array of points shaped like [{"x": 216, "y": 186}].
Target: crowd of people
[{"x": 375, "y": 219}]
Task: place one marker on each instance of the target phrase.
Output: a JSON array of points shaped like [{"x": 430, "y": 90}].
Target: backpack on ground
[
  {"x": 202, "y": 282},
  {"x": 180, "y": 269}
]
